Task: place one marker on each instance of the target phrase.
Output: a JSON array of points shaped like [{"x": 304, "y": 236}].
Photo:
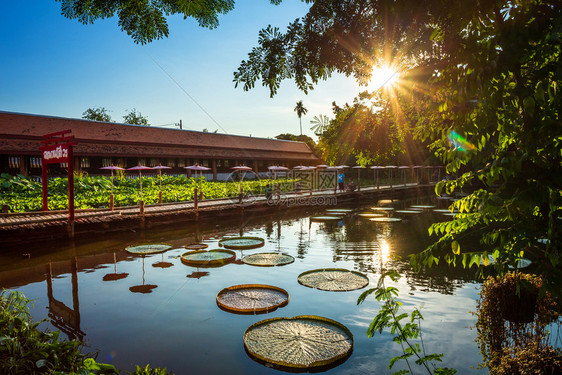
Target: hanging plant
[{"x": 514, "y": 315}]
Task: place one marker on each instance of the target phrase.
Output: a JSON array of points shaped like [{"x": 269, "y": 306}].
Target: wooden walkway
[{"x": 13, "y": 220}]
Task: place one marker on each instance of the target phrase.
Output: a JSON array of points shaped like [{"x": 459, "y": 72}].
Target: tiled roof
[{"x": 22, "y": 132}]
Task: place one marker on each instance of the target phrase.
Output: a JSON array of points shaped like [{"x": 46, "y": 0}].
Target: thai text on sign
[{"x": 56, "y": 154}]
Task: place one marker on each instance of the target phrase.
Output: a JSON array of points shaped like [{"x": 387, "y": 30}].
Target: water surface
[{"x": 83, "y": 288}]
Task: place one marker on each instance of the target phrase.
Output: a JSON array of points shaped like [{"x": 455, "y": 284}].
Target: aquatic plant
[{"x": 408, "y": 334}]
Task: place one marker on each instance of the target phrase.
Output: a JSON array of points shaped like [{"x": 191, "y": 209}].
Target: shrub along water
[
  {"x": 24, "y": 349},
  {"x": 21, "y": 194}
]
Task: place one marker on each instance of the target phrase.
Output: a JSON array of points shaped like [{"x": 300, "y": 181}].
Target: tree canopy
[
  {"x": 135, "y": 118},
  {"x": 489, "y": 73},
  {"x": 145, "y": 20},
  {"x": 97, "y": 114}
]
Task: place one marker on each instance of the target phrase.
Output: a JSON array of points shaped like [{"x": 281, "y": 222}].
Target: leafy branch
[{"x": 407, "y": 332}]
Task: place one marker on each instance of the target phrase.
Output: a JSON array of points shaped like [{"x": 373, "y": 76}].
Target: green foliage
[
  {"x": 514, "y": 347},
  {"x": 299, "y": 138},
  {"x": 22, "y": 194},
  {"x": 371, "y": 132},
  {"x": 405, "y": 328},
  {"x": 135, "y": 118},
  {"x": 97, "y": 114},
  {"x": 24, "y": 349},
  {"x": 143, "y": 20},
  {"x": 150, "y": 371},
  {"x": 489, "y": 74}
]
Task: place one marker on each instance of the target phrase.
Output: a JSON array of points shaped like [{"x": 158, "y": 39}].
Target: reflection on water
[{"x": 172, "y": 320}]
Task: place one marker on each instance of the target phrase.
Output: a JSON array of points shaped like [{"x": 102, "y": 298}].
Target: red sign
[{"x": 55, "y": 154}]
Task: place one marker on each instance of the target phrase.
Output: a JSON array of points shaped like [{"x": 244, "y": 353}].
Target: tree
[
  {"x": 145, "y": 20},
  {"x": 299, "y": 138},
  {"x": 371, "y": 131},
  {"x": 301, "y": 110},
  {"x": 97, "y": 114},
  {"x": 135, "y": 118},
  {"x": 490, "y": 72}
]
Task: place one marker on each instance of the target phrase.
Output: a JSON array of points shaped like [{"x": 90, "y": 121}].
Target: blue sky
[{"x": 51, "y": 65}]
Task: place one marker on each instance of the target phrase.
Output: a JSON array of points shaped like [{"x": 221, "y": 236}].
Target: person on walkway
[{"x": 341, "y": 181}]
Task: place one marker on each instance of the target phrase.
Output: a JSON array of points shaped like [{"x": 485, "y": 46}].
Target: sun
[{"x": 383, "y": 76}]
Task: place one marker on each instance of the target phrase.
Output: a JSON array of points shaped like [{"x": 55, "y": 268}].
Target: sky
[{"x": 51, "y": 65}]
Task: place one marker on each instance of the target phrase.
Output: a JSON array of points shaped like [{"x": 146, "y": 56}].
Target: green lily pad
[
  {"x": 268, "y": 259},
  {"x": 208, "y": 258},
  {"x": 242, "y": 243},
  {"x": 302, "y": 342},
  {"x": 152, "y": 248},
  {"x": 386, "y": 219}
]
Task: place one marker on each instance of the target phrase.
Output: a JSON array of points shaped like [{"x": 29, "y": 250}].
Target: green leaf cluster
[
  {"x": 22, "y": 194},
  {"x": 405, "y": 327}
]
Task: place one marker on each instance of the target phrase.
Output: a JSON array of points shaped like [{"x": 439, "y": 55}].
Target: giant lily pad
[
  {"x": 368, "y": 215},
  {"x": 252, "y": 298},
  {"x": 150, "y": 248},
  {"x": 196, "y": 246},
  {"x": 326, "y": 218},
  {"x": 339, "y": 210},
  {"x": 211, "y": 258},
  {"x": 423, "y": 206},
  {"x": 302, "y": 342},
  {"x": 376, "y": 208},
  {"x": 386, "y": 219},
  {"x": 242, "y": 243},
  {"x": 333, "y": 279},
  {"x": 268, "y": 259},
  {"x": 407, "y": 212}
]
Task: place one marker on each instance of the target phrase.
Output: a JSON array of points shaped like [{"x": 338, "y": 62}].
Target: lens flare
[{"x": 460, "y": 142}]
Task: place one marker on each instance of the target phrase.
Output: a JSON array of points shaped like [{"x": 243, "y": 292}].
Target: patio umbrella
[
  {"x": 376, "y": 169},
  {"x": 275, "y": 169},
  {"x": 196, "y": 168},
  {"x": 140, "y": 168},
  {"x": 404, "y": 168},
  {"x": 112, "y": 168},
  {"x": 160, "y": 167},
  {"x": 358, "y": 167},
  {"x": 390, "y": 168},
  {"x": 244, "y": 169}
]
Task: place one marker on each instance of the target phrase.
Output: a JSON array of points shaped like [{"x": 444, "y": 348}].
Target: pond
[{"x": 89, "y": 290}]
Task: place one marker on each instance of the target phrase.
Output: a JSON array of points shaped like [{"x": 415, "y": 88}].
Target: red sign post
[{"x": 57, "y": 148}]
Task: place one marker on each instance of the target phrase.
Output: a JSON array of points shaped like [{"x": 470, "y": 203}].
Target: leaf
[
  {"x": 41, "y": 363},
  {"x": 529, "y": 105},
  {"x": 456, "y": 247}
]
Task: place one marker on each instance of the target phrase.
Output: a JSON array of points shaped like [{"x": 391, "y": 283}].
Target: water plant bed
[
  {"x": 333, "y": 279},
  {"x": 209, "y": 258},
  {"x": 268, "y": 259},
  {"x": 196, "y": 246},
  {"x": 302, "y": 342},
  {"x": 252, "y": 298},
  {"x": 326, "y": 218},
  {"x": 382, "y": 208},
  {"x": 386, "y": 219},
  {"x": 443, "y": 211},
  {"x": 242, "y": 243},
  {"x": 145, "y": 249},
  {"x": 369, "y": 215}
]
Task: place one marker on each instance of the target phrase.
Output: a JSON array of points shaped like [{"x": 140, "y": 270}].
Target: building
[{"x": 101, "y": 144}]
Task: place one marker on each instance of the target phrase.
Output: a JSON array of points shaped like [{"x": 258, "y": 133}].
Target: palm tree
[{"x": 301, "y": 110}]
